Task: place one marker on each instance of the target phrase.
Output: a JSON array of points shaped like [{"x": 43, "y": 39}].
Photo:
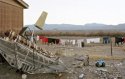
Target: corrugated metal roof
[
  {"x": 23, "y": 3},
  {"x": 19, "y": 2}
]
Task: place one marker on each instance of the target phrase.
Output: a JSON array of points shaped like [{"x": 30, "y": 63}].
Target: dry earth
[{"x": 115, "y": 65}]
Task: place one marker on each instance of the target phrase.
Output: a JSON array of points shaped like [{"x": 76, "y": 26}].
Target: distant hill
[{"x": 90, "y": 26}]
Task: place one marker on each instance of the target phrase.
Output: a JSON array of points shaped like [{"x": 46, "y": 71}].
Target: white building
[
  {"x": 93, "y": 40},
  {"x": 80, "y": 42},
  {"x": 72, "y": 42}
]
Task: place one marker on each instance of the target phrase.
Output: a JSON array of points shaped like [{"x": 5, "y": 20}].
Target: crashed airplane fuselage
[{"x": 29, "y": 60}]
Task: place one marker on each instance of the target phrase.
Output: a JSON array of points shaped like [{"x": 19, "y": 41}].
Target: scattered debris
[
  {"x": 100, "y": 63},
  {"x": 82, "y": 61},
  {"x": 81, "y": 76},
  {"x": 26, "y": 56},
  {"x": 24, "y": 76}
]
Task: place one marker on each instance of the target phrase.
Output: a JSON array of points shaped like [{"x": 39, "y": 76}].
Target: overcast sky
[{"x": 77, "y": 12}]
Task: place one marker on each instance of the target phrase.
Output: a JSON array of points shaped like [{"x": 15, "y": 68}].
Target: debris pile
[{"x": 24, "y": 55}]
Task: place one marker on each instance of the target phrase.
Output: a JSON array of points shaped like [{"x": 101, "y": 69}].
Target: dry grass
[
  {"x": 96, "y": 57},
  {"x": 81, "y": 33}
]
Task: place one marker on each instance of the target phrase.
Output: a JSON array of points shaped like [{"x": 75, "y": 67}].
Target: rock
[
  {"x": 24, "y": 76},
  {"x": 81, "y": 76},
  {"x": 60, "y": 75}
]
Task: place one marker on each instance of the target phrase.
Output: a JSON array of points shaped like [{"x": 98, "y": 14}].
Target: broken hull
[{"x": 28, "y": 60}]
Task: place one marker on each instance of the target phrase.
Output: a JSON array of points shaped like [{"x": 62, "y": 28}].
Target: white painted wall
[{"x": 93, "y": 40}]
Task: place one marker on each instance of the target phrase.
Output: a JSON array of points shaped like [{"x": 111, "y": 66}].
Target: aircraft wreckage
[{"x": 27, "y": 58}]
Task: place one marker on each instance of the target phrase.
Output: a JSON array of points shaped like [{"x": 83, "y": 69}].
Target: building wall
[{"x": 11, "y": 16}]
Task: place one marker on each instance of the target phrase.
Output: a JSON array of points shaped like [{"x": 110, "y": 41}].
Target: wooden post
[{"x": 111, "y": 47}]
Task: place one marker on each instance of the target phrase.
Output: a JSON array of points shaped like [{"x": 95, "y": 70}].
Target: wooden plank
[{"x": 11, "y": 17}]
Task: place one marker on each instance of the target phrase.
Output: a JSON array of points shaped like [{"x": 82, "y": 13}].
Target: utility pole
[{"x": 111, "y": 46}]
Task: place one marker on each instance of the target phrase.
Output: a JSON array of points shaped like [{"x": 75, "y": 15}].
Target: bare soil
[{"x": 115, "y": 65}]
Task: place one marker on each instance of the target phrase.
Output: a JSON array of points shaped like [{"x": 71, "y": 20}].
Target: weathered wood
[{"x": 11, "y": 15}]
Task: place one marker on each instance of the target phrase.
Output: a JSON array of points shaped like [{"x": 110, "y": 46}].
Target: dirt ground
[{"x": 115, "y": 65}]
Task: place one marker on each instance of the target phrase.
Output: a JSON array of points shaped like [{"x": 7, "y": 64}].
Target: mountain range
[{"x": 89, "y": 26}]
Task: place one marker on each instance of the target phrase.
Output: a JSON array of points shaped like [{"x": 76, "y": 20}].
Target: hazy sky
[{"x": 76, "y": 11}]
